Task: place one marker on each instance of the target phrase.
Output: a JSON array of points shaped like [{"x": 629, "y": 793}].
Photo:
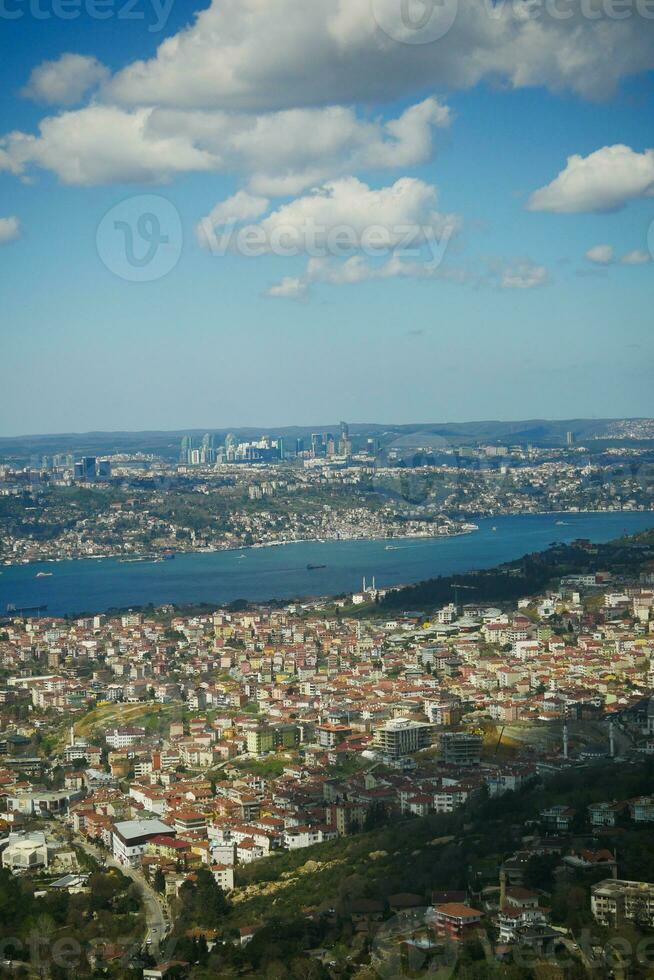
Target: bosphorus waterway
[{"x": 258, "y": 574}]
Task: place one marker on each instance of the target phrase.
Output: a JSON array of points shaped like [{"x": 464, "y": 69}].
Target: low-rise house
[
  {"x": 558, "y": 817},
  {"x": 455, "y": 921},
  {"x": 511, "y": 920},
  {"x": 605, "y": 814},
  {"x": 642, "y": 809}
]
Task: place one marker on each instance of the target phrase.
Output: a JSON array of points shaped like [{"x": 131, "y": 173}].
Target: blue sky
[{"x": 287, "y": 117}]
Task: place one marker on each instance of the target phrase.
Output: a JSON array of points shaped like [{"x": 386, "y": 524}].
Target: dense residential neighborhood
[{"x": 170, "y": 744}]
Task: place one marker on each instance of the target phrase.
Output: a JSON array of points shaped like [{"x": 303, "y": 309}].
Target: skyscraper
[
  {"x": 345, "y": 445},
  {"x": 317, "y": 445},
  {"x": 185, "y": 449},
  {"x": 89, "y": 468}
]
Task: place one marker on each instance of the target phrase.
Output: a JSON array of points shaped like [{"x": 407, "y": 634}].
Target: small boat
[
  {"x": 315, "y": 568},
  {"x": 563, "y": 523},
  {"x": 44, "y": 574},
  {"x": 493, "y": 529}
]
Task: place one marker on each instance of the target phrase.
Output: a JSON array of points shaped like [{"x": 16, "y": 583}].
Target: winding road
[{"x": 157, "y": 920}]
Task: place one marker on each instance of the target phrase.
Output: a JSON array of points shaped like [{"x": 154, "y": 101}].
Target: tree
[{"x": 159, "y": 881}]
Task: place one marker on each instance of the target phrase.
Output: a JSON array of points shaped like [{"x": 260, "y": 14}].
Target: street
[{"x": 156, "y": 918}]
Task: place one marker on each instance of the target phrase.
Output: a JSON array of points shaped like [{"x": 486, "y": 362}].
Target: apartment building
[
  {"x": 614, "y": 900},
  {"x": 400, "y": 737}
]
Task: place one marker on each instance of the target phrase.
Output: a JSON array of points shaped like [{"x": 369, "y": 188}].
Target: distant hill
[{"x": 538, "y": 432}]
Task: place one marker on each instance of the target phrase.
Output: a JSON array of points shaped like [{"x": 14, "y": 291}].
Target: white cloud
[
  {"x": 288, "y": 288},
  {"x": 241, "y": 207},
  {"x": 636, "y": 257},
  {"x": 605, "y": 255},
  {"x": 604, "y": 181},
  {"x": 281, "y": 153},
  {"x": 101, "y": 144},
  {"x": 256, "y": 55},
  {"x": 523, "y": 274},
  {"x": 358, "y": 269},
  {"x": 601, "y": 254},
  {"x": 65, "y": 81},
  {"x": 236, "y": 209},
  {"x": 338, "y": 218},
  {"x": 9, "y": 230}
]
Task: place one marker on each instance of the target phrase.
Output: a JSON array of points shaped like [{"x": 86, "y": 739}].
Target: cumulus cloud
[
  {"x": 9, "y": 230},
  {"x": 636, "y": 257},
  {"x": 605, "y": 255},
  {"x": 358, "y": 269},
  {"x": 523, "y": 274},
  {"x": 279, "y": 153},
  {"x": 246, "y": 54},
  {"x": 338, "y": 218},
  {"x": 65, "y": 81},
  {"x": 601, "y": 254},
  {"x": 604, "y": 181},
  {"x": 101, "y": 144}
]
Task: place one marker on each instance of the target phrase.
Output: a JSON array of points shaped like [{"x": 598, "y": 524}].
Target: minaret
[
  {"x": 611, "y": 740},
  {"x": 72, "y": 734},
  {"x": 364, "y": 583},
  {"x": 502, "y": 889},
  {"x": 565, "y": 738}
]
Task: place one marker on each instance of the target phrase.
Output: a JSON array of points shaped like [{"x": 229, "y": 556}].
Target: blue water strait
[{"x": 94, "y": 585}]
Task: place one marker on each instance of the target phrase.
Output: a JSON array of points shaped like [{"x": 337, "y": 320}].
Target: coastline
[{"x": 158, "y": 557}]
